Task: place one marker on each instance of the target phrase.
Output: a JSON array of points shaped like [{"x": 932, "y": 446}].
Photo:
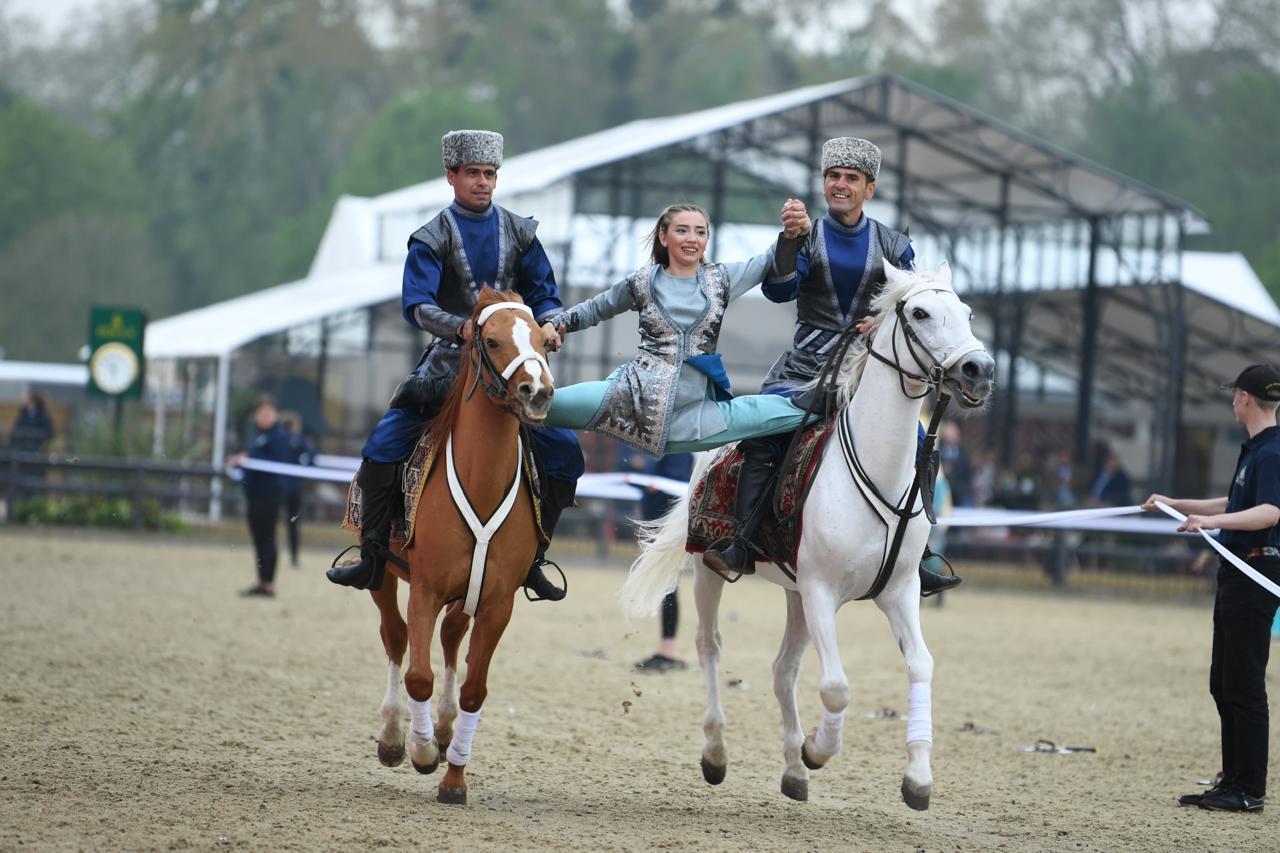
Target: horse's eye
[
  {"x": 920, "y": 314},
  {"x": 490, "y": 343}
]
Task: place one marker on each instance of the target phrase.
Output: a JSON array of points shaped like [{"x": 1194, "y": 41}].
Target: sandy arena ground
[{"x": 143, "y": 705}]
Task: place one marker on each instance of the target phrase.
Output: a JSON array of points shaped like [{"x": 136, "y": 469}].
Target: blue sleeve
[
  {"x": 908, "y": 259},
  {"x": 422, "y": 271},
  {"x": 537, "y": 283},
  {"x": 1267, "y": 476},
  {"x": 788, "y": 288}
]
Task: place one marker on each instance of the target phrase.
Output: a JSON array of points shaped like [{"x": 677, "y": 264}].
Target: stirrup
[
  {"x": 564, "y": 581},
  {"x": 951, "y": 571},
  {"x": 730, "y": 575}
]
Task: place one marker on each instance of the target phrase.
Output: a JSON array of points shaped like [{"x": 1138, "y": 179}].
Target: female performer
[{"x": 674, "y": 395}]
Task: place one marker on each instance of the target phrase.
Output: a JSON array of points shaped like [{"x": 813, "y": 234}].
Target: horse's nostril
[
  {"x": 969, "y": 369},
  {"x": 525, "y": 389}
]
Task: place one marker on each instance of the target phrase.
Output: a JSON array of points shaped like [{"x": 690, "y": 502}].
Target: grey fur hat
[
  {"x": 850, "y": 152},
  {"x": 460, "y": 147}
]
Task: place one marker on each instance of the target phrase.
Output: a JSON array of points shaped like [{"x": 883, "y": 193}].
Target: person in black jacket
[
  {"x": 264, "y": 492},
  {"x": 1249, "y": 521}
]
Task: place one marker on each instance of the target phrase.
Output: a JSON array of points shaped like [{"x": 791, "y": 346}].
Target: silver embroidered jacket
[
  {"x": 819, "y": 319},
  {"x": 669, "y": 391},
  {"x": 457, "y": 295}
]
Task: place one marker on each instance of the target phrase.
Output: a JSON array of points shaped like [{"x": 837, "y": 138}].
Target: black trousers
[
  {"x": 670, "y": 615},
  {"x": 1242, "y": 614},
  {"x": 264, "y": 511},
  {"x": 293, "y": 520}
]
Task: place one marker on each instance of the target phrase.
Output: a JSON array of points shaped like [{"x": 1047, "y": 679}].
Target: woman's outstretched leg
[{"x": 573, "y": 406}]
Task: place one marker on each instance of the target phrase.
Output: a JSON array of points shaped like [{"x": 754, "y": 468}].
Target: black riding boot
[
  {"x": 379, "y": 484},
  {"x": 754, "y": 481},
  {"x": 932, "y": 582},
  {"x": 560, "y": 494}
]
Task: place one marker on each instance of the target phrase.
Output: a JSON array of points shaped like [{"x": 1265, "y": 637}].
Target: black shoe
[
  {"x": 1230, "y": 800},
  {"x": 257, "y": 591},
  {"x": 932, "y": 583},
  {"x": 540, "y": 587},
  {"x": 1195, "y": 799},
  {"x": 365, "y": 574},
  {"x": 735, "y": 559},
  {"x": 659, "y": 663}
]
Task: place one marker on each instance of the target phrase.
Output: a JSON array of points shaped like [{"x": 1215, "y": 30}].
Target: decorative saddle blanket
[
  {"x": 413, "y": 480},
  {"x": 778, "y": 535}
]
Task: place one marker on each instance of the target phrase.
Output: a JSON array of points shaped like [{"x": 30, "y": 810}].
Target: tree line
[{"x": 172, "y": 153}]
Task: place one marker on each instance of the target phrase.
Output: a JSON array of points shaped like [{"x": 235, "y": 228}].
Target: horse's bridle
[
  {"x": 488, "y": 375},
  {"x": 933, "y": 373}
]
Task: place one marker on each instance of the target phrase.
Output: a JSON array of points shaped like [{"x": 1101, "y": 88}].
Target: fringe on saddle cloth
[
  {"x": 413, "y": 479},
  {"x": 778, "y": 535}
]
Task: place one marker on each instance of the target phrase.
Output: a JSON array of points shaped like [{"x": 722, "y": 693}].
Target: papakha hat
[
  {"x": 851, "y": 152},
  {"x": 460, "y": 147},
  {"x": 1260, "y": 380}
]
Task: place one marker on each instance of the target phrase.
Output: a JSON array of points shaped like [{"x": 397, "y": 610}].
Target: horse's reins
[
  {"x": 932, "y": 376},
  {"x": 484, "y": 532}
]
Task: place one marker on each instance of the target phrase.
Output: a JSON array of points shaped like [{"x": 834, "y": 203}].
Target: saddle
[
  {"x": 413, "y": 479},
  {"x": 777, "y": 538}
]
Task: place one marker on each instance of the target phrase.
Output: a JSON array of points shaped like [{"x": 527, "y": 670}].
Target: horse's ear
[{"x": 944, "y": 272}]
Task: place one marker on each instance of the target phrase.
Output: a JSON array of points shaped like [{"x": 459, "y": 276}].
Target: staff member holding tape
[{"x": 1249, "y": 521}]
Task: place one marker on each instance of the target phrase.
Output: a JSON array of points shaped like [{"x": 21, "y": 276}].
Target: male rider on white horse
[
  {"x": 839, "y": 270},
  {"x": 471, "y": 243}
]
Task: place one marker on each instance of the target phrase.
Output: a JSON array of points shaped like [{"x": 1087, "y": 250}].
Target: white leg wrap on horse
[
  {"x": 463, "y": 733},
  {"x": 420, "y": 725},
  {"x": 920, "y": 713},
  {"x": 828, "y": 737}
]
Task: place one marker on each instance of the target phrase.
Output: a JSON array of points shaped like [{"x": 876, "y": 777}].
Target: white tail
[{"x": 662, "y": 556}]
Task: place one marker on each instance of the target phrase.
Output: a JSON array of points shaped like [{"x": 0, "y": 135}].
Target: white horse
[{"x": 921, "y": 339}]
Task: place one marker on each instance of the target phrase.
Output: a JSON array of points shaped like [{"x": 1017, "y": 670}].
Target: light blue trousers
[{"x": 745, "y": 417}]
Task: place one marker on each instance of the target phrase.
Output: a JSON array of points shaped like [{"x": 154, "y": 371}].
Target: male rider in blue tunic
[
  {"x": 839, "y": 269},
  {"x": 471, "y": 243}
]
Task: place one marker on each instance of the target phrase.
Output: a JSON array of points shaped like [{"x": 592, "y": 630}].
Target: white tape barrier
[
  {"x": 1252, "y": 573},
  {"x": 617, "y": 486}
]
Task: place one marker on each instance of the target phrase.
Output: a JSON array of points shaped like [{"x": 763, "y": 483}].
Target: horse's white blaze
[
  {"x": 843, "y": 543},
  {"x": 522, "y": 335}
]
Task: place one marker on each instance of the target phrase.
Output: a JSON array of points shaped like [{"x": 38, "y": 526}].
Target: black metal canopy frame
[{"x": 1076, "y": 267}]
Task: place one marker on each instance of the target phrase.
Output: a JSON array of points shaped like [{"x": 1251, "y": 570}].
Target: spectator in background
[
  {"x": 264, "y": 492},
  {"x": 982, "y": 485},
  {"x": 1112, "y": 486},
  {"x": 655, "y": 504},
  {"x": 33, "y": 428},
  {"x": 955, "y": 465},
  {"x": 301, "y": 452},
  {"x": 1060, "y": 477}
]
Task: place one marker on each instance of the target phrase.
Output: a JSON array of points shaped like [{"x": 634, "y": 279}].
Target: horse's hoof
[
  {"x": 391, "y": 756},
  {"x": 796, "y": 789},
  {"x": 713, "y": 774},
  {"x": 425, "y": 756},
  {"x": 919, "y": 802},
  {"x": 452, "y": 796},
  {"x": 809, "y": 761}
]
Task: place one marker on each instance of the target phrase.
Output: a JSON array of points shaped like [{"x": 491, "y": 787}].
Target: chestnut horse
[{"x": 476, "y": 436}]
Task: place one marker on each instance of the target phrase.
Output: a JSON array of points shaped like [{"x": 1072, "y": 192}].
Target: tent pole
[{"x": 219, "y": 436}]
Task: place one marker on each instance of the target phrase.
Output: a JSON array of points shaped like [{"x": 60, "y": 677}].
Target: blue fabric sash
[{"x": 712, "y": 366}]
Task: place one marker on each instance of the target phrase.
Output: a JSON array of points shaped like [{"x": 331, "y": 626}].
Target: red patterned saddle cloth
[
  {"x": 778, "y": 535},
  {"x": 414, "y": 478}
]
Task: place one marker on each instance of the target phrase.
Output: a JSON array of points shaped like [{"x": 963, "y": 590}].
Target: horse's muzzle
[
  {"x": 535, "y": 405},
  {"x": 973, "y": 377}
]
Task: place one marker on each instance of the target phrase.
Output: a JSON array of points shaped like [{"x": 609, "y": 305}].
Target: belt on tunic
[{"x": 814, "y": 340}]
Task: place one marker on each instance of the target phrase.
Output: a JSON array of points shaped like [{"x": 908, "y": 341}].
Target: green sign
[{"x": 115, "y": 352}]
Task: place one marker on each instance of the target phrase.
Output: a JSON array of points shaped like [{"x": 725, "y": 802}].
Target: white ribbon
[{"x": 1249, "y": 571}]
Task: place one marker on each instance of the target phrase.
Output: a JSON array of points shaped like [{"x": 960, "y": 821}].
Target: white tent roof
[
  {"x": 220, "y": 329},
  {"x": 44, "y": 373}
]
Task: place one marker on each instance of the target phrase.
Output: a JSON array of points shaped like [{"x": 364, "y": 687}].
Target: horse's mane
[
  {"x": 442, "y": 424},
  {"x": 855, "y": 359}
]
